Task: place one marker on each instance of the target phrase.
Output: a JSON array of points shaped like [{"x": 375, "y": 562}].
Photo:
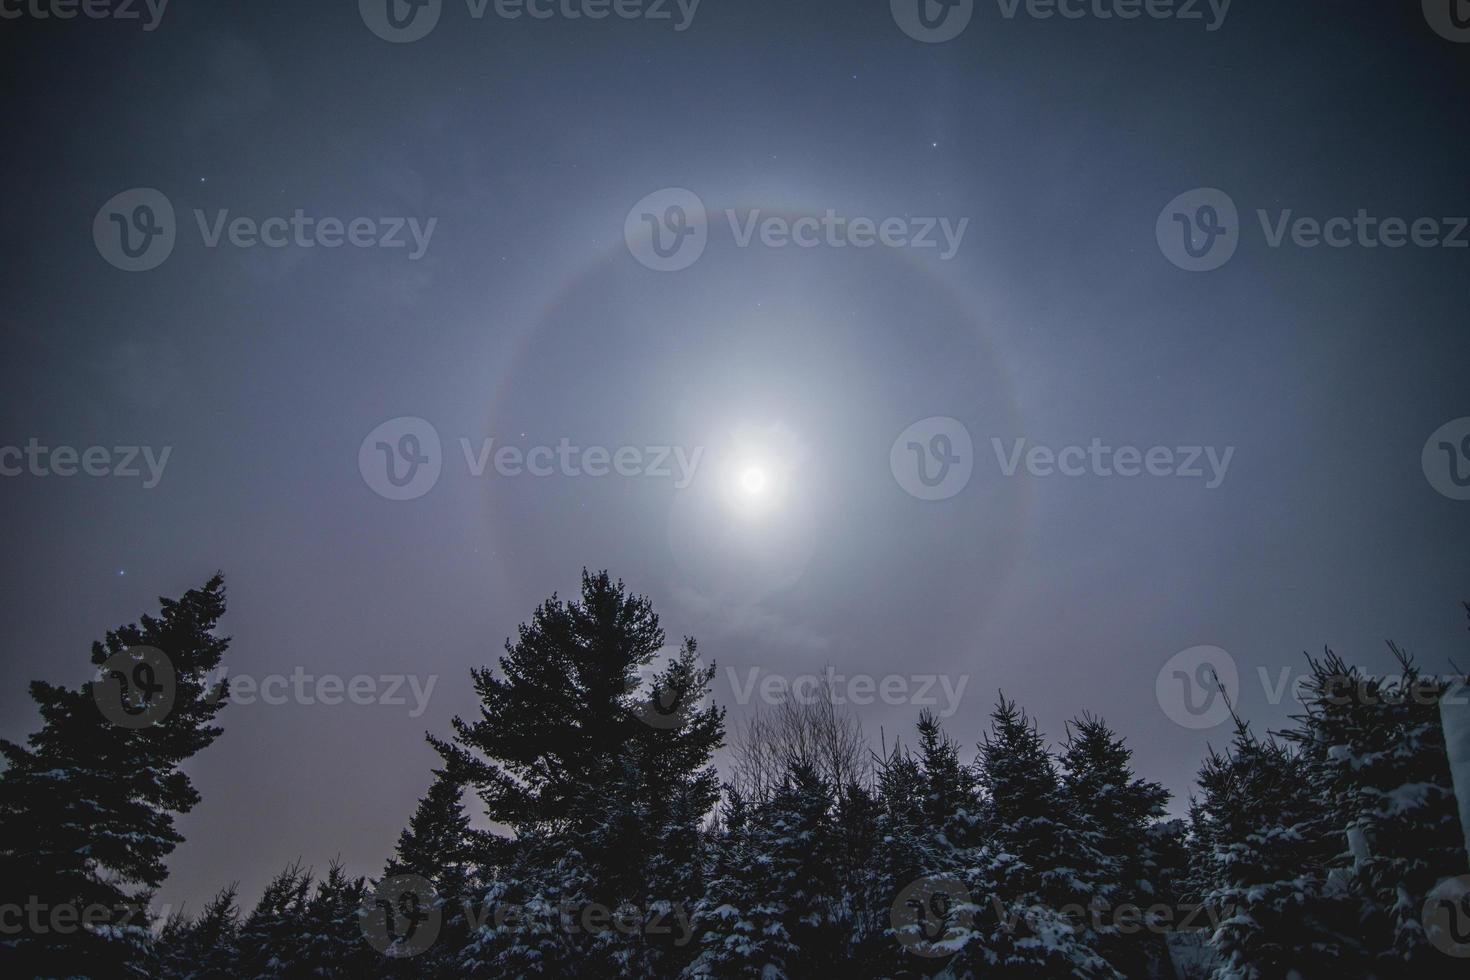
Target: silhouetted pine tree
[
  {"x": 732, "y": 939},
  {"x": 272, "y": 939},
  {"x": 1028, "y": 813},
  {"x": 204, "y": 948},
  {"x": 1375, "y": 753},
  {"x": 1262, "y": 843},
  {"x": 87, "y": 806},
  {"x": 440, "y": 846},
  {"x": 334, "y": 943},
  {"x": 953, "y": 815},
  {"x": 567, "y": 745},
  {"x": 776, "y": 909},
  {"x": 1113, "y": 811},
  {"x": 532, "y": 918}
]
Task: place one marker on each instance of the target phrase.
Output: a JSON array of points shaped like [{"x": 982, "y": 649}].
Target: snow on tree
[
  {"x": 1264, "y": 858},
  {"x": 1114, "y": 812}
]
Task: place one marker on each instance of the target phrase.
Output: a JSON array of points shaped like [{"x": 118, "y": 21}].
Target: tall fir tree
[
  {"x": 1374, "y": 751},
  {"x": 1027, "y": 809},
  {"x": 1114, "y": 812},
  {"x": 87, "y": 805},
  {"x": 272, "y": 939},
  {"x": 1260, "y": 836},
  {"x": 204, "y": 948},
  {"x": 574, "y": 754}
]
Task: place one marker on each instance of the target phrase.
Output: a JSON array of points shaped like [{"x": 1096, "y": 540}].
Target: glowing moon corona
[{"x": 753, "y": 480}]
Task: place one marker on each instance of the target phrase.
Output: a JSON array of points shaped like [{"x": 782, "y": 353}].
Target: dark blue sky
[{"x": 527, "y": 319}]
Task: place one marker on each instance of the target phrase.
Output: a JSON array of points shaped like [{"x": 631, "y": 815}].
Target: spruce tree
[
  {"x": 273, "y": 938},
  {"x": 1027, "y": 809},
  {"x": 87, "y": 805},
  {"x": 1114, "y": 812},
  {"x": 567, "y": 744},
  {"x": 1265, "y": 861},
  {"x": 332, "y": 939},
  {"x": 205, "y": 948},
  {"x": 776, "y": 908},
  {"x": 1374, "y": 750}
]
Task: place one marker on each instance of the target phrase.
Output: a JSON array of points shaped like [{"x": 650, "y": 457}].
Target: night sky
[{"x": 525, "y": 314}]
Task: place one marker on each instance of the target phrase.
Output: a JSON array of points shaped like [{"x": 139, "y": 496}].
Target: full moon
[{"x": 753, "y": 480}]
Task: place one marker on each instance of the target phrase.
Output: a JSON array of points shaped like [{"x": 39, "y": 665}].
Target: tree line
[{"x": 1332, "y": 848}]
